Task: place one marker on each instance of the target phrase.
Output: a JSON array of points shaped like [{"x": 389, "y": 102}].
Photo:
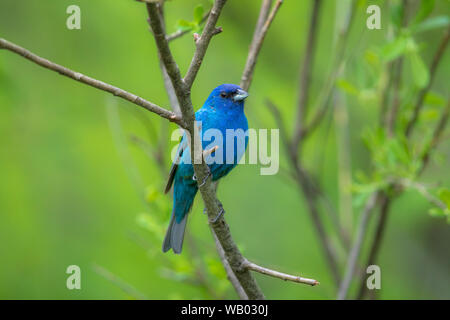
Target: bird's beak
[{"x": 240, "y": 95}]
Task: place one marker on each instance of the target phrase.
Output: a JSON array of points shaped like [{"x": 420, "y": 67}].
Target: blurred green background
[{"x": 74, "y": 190}]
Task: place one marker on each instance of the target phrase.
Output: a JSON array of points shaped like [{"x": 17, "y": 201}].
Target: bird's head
[{"x": 227, "y": 96}]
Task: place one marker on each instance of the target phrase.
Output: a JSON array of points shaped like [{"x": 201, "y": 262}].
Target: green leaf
[
  {"x": 347, "y": 87},
  {"x": 198, "y": 13},
  {"x": 152, "y": 194},
  {"x": 436, "y": 212},
  {"x": 420, "y": 73},
  {"x": 444, "y": 195},
  {"x": 434, "y": 99},
  {"x": 184, "y": 25},
  {"x": 432, "y": 23},
  {"x": 426, "y": 7},
  {"x": 394, "y": 49},
  {"x": 396, "y": 15}
]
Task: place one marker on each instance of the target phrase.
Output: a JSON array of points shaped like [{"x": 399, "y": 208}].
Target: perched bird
[{"x": 224, "y": 109}]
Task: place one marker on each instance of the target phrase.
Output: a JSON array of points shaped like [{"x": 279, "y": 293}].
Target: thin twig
[
  {"x": 357, "y": 244},
  {"x": 202, "y": 43},
  {"x": 125, "y": 287},
  {"x": 398, "y": 67},
  {"x": 280, "y": 275},
  {"x": 436, "y": 136},
  {"x": 424, "y": 192},
  {"x": 179, "y": 33},
  {"x": 258, "y": 39},
  {"x": 230, "y": 273},
  {"x": 385, "y": 203},
  {"x": 4, "y": 44},
  {"x": 305, "y": 75},
  {"x": 421, "y": 98}
]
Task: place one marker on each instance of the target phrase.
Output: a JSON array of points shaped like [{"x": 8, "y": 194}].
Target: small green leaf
[
  {"x": 426, "y": 7},
  {"x": 444, "y": 195},
  {"x": 396, "y": 15},
  {"x": 151, "y": 194},
  {"x": 198, "y": 13},
  {"x": 432, "y": 23},
  {"x": 420, "y": 73},
  {"x": 434, "y": 99},
  {"x": 436, "y": 212},
  {"x": 347, "y": 87},
  {"x": 394, "y": 49},
  {"x": 184, "y": 25}
]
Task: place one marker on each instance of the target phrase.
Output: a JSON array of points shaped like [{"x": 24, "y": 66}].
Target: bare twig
[
  {"x": 4, "y": 44},
  {"x": 356, "y": 248},
  {"x": 323, "y": 101},
  {"x": 230, "y": 273},
  {"x": 398, "y": 66},
  {"x": 280, "y": 275},
  {"x": 305, "y": 75},
  {"x": 419, "y": 104},
  {"x": 392, "y": 115},
  {"x": 202, "y": 43},
  {"x": 124, "y": 286},
  {"x": 436, "y": 136},
  {"x": 258, "y": 39},
  {"x": 385, "y": 203},
  {"x": 424, "y": 192}
]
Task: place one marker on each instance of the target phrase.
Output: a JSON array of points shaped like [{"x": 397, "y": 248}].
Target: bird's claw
[
  {"x": 219, "y": 215},
  {"x": 204, "y": 179}
]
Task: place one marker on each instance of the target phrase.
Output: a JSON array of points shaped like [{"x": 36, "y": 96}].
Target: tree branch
[
  {"x": 4, "y": 44},
  {"x": 207, "y": 190},
  {"x": 357, "y": 244},
  {"x": 258, "y": 39},
  {"x": 419, "y": 104},
  {"x": 276, "y": 274},
  {"x": 230, "y": 273},
  {"x": 305, "y": 75},
  {"x": 310, "y": 193},
  {"x": 202, "y": 43}
]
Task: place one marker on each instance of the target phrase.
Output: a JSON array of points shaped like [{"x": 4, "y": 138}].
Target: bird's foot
[
  {"x": 219, "y": 215},
  {"x": 204, "y": 179}
]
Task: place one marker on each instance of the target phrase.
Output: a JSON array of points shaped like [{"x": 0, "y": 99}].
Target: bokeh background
[{"x": 74, "y": 189}]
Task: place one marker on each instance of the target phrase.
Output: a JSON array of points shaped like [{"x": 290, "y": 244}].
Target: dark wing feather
[{"x": 173, "y": 168}]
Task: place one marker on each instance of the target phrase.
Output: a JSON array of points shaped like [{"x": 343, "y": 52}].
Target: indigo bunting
[{"x": 223, "y": 110}]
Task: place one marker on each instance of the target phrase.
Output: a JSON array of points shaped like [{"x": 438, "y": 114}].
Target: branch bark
[
  {"x": 182, "y": 89},
  {"x": 77, "y": 76},
  {"x": 280, "y": 275},
  {"x": 262, "y": 26},
  {"x": 356, "y": 249},
  {"x": 202, "y": 43}
]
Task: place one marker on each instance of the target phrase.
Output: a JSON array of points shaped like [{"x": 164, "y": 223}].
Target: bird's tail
[{"x": 175, "y": 234}]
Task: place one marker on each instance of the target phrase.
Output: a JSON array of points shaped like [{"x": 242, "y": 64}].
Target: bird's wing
[
  {"x": 173, "y": 168},
  {"x": 199, "y": 116}
]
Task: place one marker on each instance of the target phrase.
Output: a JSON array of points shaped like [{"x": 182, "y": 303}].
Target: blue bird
[{"x": 223, "y": 110}]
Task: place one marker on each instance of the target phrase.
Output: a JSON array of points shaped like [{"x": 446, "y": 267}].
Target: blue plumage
[{"x": 224, "y": 109}]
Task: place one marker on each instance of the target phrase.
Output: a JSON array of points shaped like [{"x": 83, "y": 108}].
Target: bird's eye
[{"x": 223, "y": 95}]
